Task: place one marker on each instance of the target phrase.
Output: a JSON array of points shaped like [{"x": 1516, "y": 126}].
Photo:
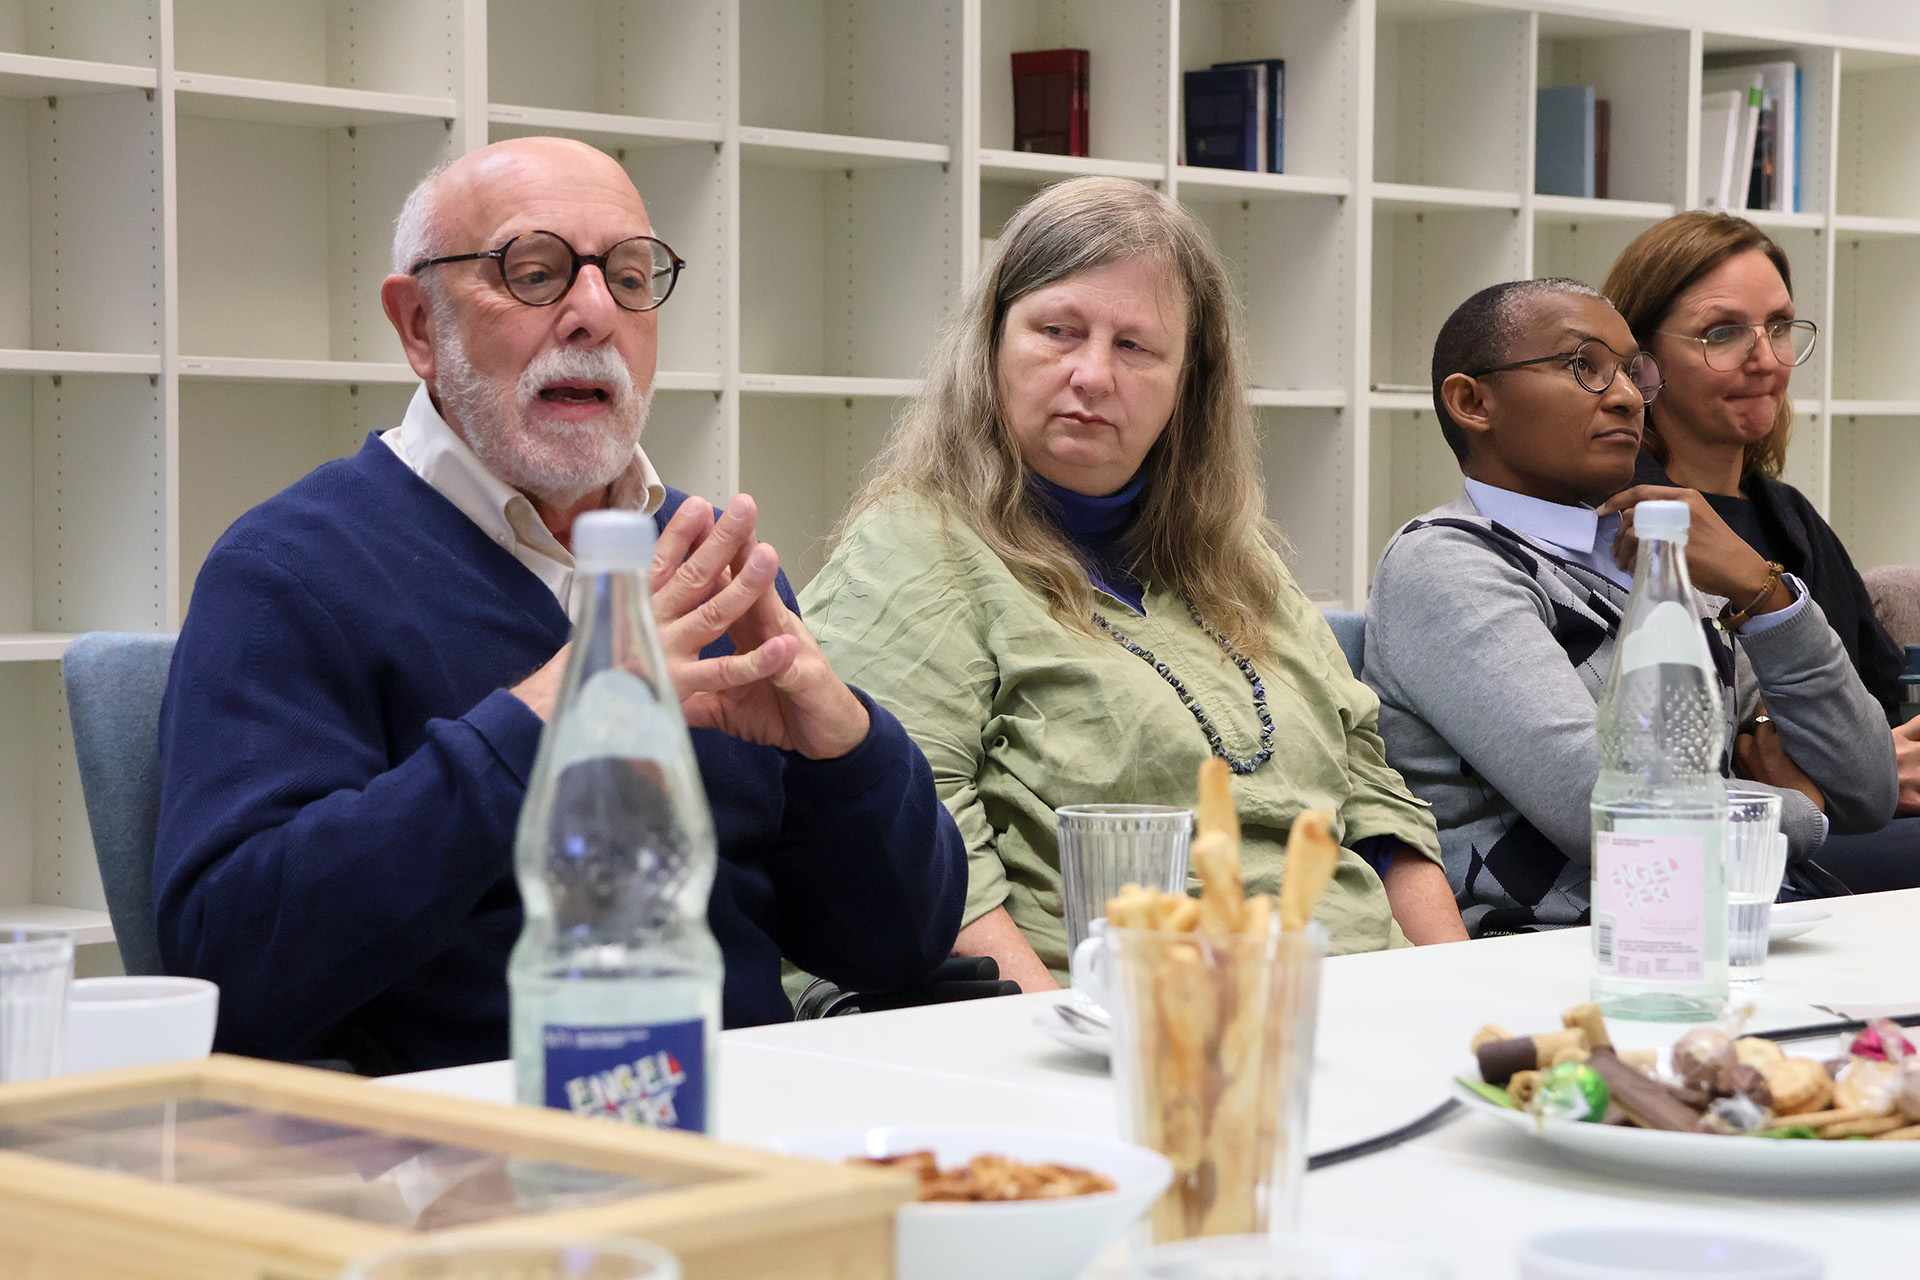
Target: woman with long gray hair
[{"x": 1061, "y": 579}]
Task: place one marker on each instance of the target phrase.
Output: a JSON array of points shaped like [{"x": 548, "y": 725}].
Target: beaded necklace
[{"x": 1192, "y": 703}]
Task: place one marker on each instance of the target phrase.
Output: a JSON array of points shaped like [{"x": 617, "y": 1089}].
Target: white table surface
[{"x": 1393, "y": 1031}]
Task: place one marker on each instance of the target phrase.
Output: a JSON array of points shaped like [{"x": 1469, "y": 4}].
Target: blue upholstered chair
[
  {"x": 1350, "y": 629},
  {"x": 115, "y": 681}
]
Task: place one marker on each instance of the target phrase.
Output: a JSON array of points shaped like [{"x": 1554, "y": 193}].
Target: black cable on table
[{"x": 1382, "y": 1142}]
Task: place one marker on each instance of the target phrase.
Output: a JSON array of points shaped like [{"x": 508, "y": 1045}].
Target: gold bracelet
[{"x": 1733, "y": 621}]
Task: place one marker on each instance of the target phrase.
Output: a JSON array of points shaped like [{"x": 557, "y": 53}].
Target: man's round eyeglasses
[
  {"x": 538, "y": 267},
  {"x": 1728, "y": 346},
  {"x": 1594, "y": 366}
]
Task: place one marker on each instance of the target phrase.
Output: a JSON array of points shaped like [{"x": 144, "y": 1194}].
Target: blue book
[
  {"x": 1223, "y": 118},
  {"x": 1563, "y": 141},
  {"x": 1273, "y": 114}
]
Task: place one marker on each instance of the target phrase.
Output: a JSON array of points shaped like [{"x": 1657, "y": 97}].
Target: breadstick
[
  {"x": 1216, "y": 802},
  {"x": 1131, "y": 908},
  {"x": 1182, "y": 915},
  {"x": 1909, "y": 1134},
  {"x": 1217, "y": 858},
  {"x": 1311, "y": 857}
]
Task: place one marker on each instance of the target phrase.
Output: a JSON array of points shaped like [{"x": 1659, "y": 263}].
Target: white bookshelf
[{"x": 208, "y": 189}]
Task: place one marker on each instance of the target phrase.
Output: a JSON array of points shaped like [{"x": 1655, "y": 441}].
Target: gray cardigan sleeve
[
  {"x": 1461, "y": 638},
  {"x": 1828, "y": 722}
]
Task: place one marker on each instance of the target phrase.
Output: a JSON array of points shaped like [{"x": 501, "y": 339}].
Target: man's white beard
[{"x": 555, "y": 461}]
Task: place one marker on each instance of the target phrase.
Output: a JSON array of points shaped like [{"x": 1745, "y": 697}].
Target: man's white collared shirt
[{"x": 435, "y": 452}]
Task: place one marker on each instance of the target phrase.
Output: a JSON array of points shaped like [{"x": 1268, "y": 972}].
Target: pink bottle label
[{"x": 1649, "y": 906}]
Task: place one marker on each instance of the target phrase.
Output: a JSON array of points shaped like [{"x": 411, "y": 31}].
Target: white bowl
[
  {"x": 132, "y": 1021},
  {"x": 1633, "y": 1252},
  {"x": 1010, "y": 1240}
]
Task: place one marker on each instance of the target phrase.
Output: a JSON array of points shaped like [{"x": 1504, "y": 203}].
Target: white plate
[
  {"x": 1071, "y": 1034},
  {"x": 1691, "y": 1156},
  {"x": 1791, "y": 919}
]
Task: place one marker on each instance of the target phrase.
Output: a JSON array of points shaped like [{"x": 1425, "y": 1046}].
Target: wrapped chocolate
[
  {"x": 1570, "y": 1091},
  {"x": 1881, "y": 1041},
  {"x": 1743, "y": 1081},
  {"x": 1701, "y": 1055},
  {"x": 1870, "y": 1085},
  {"x": 1736, "y": 1115},
  {"x": 1908, "y": 1099}
]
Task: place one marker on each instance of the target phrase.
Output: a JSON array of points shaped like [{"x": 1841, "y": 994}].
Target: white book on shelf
[
  {"x": 1720, "y": 116},
  {"x": 1779, "y": 85},
  {"x": 1746, "y": 82}
]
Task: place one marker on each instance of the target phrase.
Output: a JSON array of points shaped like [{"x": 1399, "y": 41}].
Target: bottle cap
[
  {"x": 612, "y": 541},
  {"x": 1662, "y": 519}
]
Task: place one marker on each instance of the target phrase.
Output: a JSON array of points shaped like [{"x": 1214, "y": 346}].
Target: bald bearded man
[{"x": 360, "y": 685}]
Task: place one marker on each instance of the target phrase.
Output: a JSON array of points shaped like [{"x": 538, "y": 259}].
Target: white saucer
[
  {"x": 1791, "y": 919},
  {"x": 1071, "y": 1035}
]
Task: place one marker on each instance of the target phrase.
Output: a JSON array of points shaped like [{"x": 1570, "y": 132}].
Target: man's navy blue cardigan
[{"x": 342, "y": 769}]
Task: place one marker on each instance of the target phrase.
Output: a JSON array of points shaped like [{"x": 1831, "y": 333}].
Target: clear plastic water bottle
[
  {"x": 1660, "y": 807},
  {"x": 615, "y": 982}
]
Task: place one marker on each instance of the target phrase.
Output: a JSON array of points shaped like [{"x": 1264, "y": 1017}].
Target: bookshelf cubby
[
  {"x": 206, "y": 190},
  {"x": 1875, "y": 459}
]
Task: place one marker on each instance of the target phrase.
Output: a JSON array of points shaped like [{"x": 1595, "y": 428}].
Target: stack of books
[
  {"x": 1570, "y": 142},
  {"x": 1235, "y": 112},
  {"x": 1050, "y": 101},
  {"x": 1750, "y": 137}
]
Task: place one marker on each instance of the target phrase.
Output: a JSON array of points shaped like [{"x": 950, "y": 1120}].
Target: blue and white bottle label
[{"x": 650, "y": 1075}]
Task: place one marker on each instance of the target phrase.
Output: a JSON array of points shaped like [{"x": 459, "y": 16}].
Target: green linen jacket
[{"x": 1019, "y": 714}]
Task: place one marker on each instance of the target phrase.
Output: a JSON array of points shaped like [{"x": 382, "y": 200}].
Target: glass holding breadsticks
[{"x": 1213, "y": 1000}]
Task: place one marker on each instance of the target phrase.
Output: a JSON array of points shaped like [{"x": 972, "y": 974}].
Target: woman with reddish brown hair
[{"x": 1710, "y": 296}]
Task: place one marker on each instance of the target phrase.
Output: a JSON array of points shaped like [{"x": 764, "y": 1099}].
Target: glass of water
[
  {"x": 1756, "y": 856},
  {"x": 1105, "y": 846},
  {"x": 35, "y": 967}
]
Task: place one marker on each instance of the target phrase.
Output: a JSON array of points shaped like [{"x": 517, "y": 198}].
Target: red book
[
  {"x": 1050, "y": 101},
  {"x": 1602, "y": 122}
]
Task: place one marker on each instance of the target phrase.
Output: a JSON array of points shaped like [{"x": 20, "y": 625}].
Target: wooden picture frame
[{"x": 729, "y": 1213}]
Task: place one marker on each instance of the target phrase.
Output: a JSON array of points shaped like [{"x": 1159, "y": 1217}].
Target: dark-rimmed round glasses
[
  {"x": 1728, "y": 346},
  {"x": 538, "y": 267},
  {"x": 1594, "y": 366}
]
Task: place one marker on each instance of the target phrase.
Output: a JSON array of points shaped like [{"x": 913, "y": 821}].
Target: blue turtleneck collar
[{"x": 1095, "y": 525}]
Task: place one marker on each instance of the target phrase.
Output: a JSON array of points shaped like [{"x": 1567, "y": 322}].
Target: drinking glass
[
  {"x": 1756, "y": 855},
  {"x": 1212, "y": 1054},
  {"x": 1105, "y": 846},
  {"x": 518, "y": 1258},
  {"x": 35, "y": 967}
]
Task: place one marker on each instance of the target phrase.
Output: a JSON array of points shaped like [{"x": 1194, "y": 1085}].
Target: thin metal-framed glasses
[
  {"x": 539, "y": 267},
  {"x": 1594, "y": 366},
  {"x": 1728, "y": 346}
]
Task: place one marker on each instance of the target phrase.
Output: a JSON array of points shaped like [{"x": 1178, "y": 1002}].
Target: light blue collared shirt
[{"x": 1586, "y": 537}]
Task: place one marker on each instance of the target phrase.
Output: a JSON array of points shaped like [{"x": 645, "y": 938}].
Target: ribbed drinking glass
[
  {"x": 1756, "y": 862},
  {"x": 35, "y": 967},
  {"x": 1105, "y": 846}
]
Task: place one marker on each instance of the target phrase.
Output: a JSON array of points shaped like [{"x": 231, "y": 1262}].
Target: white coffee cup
[
  {"x": 1085, "y": 971},
  {"x": 1650, "y": 1252},
  {"x": 132, "y": 1021}
]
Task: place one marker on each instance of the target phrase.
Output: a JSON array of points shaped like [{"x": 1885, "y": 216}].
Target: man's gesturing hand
[{"x": 710, "y": 578}]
